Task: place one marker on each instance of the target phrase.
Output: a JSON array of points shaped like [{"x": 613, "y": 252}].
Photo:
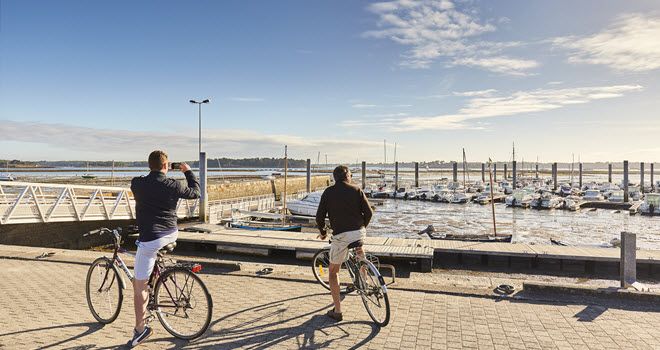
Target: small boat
[
  {"x": 546, "y": 200},
  {"x": 557, "y": 242},
  {"x": 306, "y": 206},
  {"x": 593, "y": 196},
  {"x": 616, "y": 196},
  {"x": 651, "y": 205},
  {"x": 506, "y": 187},
  {"x": 425, "y": 193},
  {"x": 460, "y": 198},
  {"x": 6, "y": 177},
  {"x": 520, "y": 198},
  {"x": 266, "y": 226},
  {"x": 430, "y": 231},
  {"x": 88, "y": 175},
  {"x": 566, "y": 190},
  {"x": 572, "y": 203}
]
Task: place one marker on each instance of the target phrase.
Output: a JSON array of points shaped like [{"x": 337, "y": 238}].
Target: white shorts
[
  {"x": 340, "y": 242},
  {"x": 145, "y": 258}
]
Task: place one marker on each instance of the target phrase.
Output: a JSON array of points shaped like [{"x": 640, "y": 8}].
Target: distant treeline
[{"x": 297, "y": 163}]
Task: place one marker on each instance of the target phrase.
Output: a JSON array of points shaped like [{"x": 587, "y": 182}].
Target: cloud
[
  {"x": 108, "y": 143},
  {"x": 362, "y": 105},
  {"x": 630, "y": 44},
  {"x": 485, "y": 104},
  {"x": 435, "y": 29},
  {"x": 487, "y": 92},
  {"x": 247, "y": 99}
]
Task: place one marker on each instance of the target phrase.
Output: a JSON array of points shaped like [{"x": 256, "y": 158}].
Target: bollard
[
  {"x": 416, "y": 174},
  {"x": 513, "y": 170},
  {"x": 483, "y": 172},
  {"x": 628, "y": 262},
  {"x": 396, "y": 177},
  {"x": 554, "y": 176},
  {"x": 609, "y": 173},
  {"x": 309, "y": 176},
  {"x": 641, "y": 177},
  {"x": 580, "y": 181},
  {"x": 625, "y": 181},
  {"x": 203, "y": 198},
  {"x": 364, "y": 175},
  {"x": 454, "y": 170},
  {"x": 505, "y": 173}
]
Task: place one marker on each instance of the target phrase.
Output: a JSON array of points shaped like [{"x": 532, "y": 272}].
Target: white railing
[
  {"x": 23, "y": 202},
  {"x": 221, "y": 209}
]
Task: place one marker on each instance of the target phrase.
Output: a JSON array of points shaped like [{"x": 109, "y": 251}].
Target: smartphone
[{"x": 175, "y": 166}]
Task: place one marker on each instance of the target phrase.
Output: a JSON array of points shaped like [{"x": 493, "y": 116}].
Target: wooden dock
[{"x": 425, "y": 252}]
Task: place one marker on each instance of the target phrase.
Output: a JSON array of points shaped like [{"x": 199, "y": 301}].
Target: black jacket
[
  {"x": 346, "y": 206},
  {"x": 156, "y": 197}
]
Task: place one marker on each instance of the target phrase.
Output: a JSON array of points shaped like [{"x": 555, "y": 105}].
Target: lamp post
[{"x": 199, "y": 104}]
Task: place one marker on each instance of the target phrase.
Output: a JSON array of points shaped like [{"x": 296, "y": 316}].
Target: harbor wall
[{"x": 261, "y": 187}]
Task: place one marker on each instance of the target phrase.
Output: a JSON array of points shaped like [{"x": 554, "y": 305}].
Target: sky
[{"x": 93, "y": 80}]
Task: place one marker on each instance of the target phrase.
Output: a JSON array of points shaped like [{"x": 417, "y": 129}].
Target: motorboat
[
  {"x": 593, "y": 195},
  {"x": 433, "y": 234},
  {"x": 267, "y": 226},
  {"x": 477, "y": 186},
  {"x": 572, "y": 202},
  {"x": 306, "y": 206},
  {"x": 425, "y": 193},
  {"x": 520, "y": 198},
  {"x": 7, "y": 177},
  {"x": 616, "y": 196},
  {"x": 506, "y": 187},
  {"x": 484, "y": 196},
  {"x": 460, "y": 198},
  {"x": 546, "y": 200},
  {"x": 651, "y": 205},
  {"x": 442, "y": 195},
  {"x": 566, "y": 190},
  {"x": 403, "y": 193}
]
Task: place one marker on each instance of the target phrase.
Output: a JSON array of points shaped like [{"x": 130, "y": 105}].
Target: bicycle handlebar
[{"x": 101, "y": 231}]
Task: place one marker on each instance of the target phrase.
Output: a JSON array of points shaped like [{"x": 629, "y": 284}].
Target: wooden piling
[
  {"x": 454, "y": 166},
  {"x": 506, "y": 176},
  {"x": 483, "y": 172},
  {"x": 396, "y": 176},
  {"x": 537, "y": 171},
  {"x": 609, "y": 173},
  {"x": 653, "y": 189},
  {"x": 641, "y": 177},
  {"x": 625, "y": 181},
  {"x": 554, "y": 176},
  {"x": 308, "y": 182},
  {"x": 364, "y": 175},
  {"x": 515, "y": 177},
  {"x": 416, "y": 174},
  {"x": 495, "y": 172},
  {"x": 580, "y": 177}
]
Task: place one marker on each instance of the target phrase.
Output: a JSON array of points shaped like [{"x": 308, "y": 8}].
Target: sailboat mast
[
  {"x": 464, "y": 167},
  {"x": 286, "y": 169},
  {"x": 492, "y": 201},
  {"x": 384, "y": 153}
]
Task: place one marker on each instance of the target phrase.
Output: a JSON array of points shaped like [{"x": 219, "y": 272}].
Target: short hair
[
  {"x": 340, "y": 173},
  {"x": 157, "y": 159}
]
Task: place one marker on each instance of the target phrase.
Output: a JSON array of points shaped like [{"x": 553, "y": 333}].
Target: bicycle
[
  {"x": 365, "y": 277},
  {"x": 177, "y": 295}
]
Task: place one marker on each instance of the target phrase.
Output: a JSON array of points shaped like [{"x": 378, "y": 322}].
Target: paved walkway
[{"x": 43, "y": 306}]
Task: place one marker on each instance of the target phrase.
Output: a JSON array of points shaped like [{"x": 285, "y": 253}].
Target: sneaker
[
  {"x": 337, "y": 316},
  {"x": 138, "y": 338}
]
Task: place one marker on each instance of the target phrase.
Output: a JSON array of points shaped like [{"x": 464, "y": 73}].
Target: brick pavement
[{"x": 43, "y": 306}]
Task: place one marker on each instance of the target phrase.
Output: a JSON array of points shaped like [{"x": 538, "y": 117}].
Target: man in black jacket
[
  {"x": 156, "y": 197},
  {"x": 349, "y": 212}
]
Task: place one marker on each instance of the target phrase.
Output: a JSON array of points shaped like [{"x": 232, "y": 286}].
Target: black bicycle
[
  {"x": 177, "y": 295},
  {"x": 360, "y": 275}
]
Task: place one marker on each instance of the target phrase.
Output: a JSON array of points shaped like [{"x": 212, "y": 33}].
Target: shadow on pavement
[
  {"x": 91, "y": 328},
  {"x": 265, "y": 330}
]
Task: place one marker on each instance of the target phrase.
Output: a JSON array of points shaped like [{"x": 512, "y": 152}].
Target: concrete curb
[{"x": 611, "y": 293}]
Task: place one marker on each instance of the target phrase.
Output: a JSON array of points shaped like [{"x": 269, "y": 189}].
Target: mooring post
[
  {"x": 641, "y": 177},
  {"x": 625, "y": 181},
  {"x": 364, "y": 175},
  {"x": 454, "y": 166},
  {"x": 505, "y": 173},
  {"x": 483, "y": 172},
  {"x": 309, "y": 176},
  {"x": 653, "y": 189},
  {"x": 513, "y": 170},
  {"x": 580, "y": 181},
  {"x": 396, "y": 176},
  {"x": 416, "y": 174},
  {"x": 203, "y": 198},
  {"x": 537, "y": 171},
  {"x": 628, "y": 263},
  {"x": 495, "y": 172},
  {"x": 554, "y": 176},
  {"x": 609, "y": 173}
]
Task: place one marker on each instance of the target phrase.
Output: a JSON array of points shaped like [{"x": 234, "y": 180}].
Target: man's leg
[
  {"x": 334, "y": 285},
  {"x": 140, "y": 296}
]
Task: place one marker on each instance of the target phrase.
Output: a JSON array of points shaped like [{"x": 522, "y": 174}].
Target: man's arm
[
  {"x": 367, "y": 212},
  {"x": 321, "y": 213},
  {"x": 192, "y": 190}
]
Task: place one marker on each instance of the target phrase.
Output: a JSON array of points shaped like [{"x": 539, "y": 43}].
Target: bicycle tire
[
  {"x": 320, "y": 269},
  {"x": 108, "y": 272},
  {"x": 168, "y": 280},
  {"x": 375, "y": 286}
]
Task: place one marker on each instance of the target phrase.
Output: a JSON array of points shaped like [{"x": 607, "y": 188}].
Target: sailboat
[
  {"x": 88, "y": 175},
  {"x": 7, "y": 176}
]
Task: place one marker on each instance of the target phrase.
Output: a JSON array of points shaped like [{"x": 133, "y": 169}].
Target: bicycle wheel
[
  {"x": 104, "y": 290},
  {"x": 182, "y": 303},
  {"x": 321, "y": 269},
  {"x": 373, "y": 291}
]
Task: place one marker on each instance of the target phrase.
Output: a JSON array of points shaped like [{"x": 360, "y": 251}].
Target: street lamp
[{"x": 200, "y": 120}]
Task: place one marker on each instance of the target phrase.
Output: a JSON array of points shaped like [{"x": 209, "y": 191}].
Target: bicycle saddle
[
  {"x": 167, "y": 249},
  {"x": 355, "y": 244}
]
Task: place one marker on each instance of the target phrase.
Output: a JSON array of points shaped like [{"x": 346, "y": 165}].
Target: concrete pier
[
  {"x": 625, "y": 181},
  {"x": 364, "y": 175},
  {"x": 308, "y": 183},
  {"x": 416, "y": 174},
  {"x": 514, "y": 171}
]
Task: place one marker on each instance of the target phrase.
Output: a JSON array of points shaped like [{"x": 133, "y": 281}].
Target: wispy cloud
[
  {"x": 247, "y": 99},
  {"x": 631, "y": 43},
  {"x": 107, "y": 142},
  {"x": 485, "y": 104},
  {"x": 435, "y": 29},
  {"x": 363, "y": 105},
  {"x": 487, "y": 92}
]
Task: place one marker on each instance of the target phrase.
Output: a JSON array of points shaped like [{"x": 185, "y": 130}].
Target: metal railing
[
  {"x": 221, "y": 209},
  {"x": 23, "y": 202}
]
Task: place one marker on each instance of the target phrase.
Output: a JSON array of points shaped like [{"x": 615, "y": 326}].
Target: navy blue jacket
[{"x": 156, "y": 197}]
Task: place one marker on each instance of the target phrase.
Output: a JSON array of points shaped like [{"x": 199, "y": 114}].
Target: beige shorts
[{"x": 340, "y": 242}]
